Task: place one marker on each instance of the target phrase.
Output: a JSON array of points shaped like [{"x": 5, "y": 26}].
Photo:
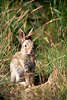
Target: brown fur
[{"x": 22, "y": 66}]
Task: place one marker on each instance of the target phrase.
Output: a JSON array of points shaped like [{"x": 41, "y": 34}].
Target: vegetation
[{"x": 49, "y": 21}]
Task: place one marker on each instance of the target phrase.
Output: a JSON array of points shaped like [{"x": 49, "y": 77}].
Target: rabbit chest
[
  {"x": 24, "y": 64},
  {"x": 29, "y": 64}
]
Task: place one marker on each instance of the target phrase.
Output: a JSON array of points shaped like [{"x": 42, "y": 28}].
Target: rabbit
[{"x": 23, "y": 63}]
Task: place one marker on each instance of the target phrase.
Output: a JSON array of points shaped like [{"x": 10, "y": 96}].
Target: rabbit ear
[
  {"x": 30, "y": 33},
  {"x": 21, "y": 35}
]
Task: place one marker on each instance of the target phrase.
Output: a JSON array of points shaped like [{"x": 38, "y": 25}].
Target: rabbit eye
[{"x": 25, "y": 45}]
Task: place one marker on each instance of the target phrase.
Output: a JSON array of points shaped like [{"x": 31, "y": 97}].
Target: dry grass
[{"x": 50, "y": 45}]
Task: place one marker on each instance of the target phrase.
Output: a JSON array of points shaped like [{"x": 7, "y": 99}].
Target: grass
[{"x": 49, "y": 37}]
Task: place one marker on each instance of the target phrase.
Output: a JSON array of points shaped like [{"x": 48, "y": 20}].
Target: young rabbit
[{"x": 22, "y": 66}]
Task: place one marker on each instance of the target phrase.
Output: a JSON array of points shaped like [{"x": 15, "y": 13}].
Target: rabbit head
[{"x": 26, "y": 42}]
